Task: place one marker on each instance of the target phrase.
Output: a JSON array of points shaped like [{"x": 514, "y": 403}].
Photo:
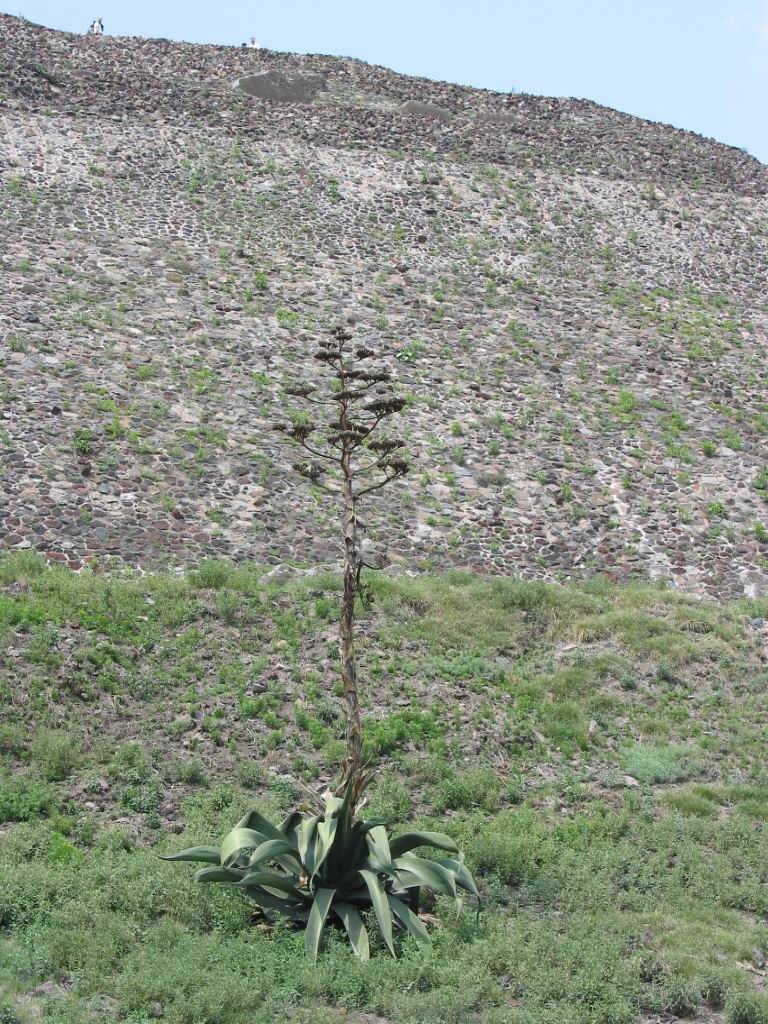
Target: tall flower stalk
[
  {"x": 333, "y": 865},
  {"x": 341, "y": 431}
]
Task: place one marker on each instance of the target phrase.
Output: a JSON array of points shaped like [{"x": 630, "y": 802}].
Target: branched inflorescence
[
  {"x": 340, "y": 430},
  {"x": 347, "y": 456}
]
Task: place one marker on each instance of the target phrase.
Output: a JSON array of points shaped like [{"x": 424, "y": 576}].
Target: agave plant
[{"x": 333, "y": 864}]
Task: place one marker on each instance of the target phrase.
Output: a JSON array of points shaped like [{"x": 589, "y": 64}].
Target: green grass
[{"x": 146, "y": 713}]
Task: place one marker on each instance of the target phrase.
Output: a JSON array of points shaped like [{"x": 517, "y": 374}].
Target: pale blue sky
[{"x": 697, "y": 64}]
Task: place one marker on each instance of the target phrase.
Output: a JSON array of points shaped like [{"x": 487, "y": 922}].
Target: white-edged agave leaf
[
  {"x": 380, "y": 905},
  {"x": 218, "y": 875},
  {"x": 462, "y": 873},
  {"x": 256, "y": 821},
  {"x": 425, "y": 872},
  {"x": 412, "y": 840},
  {"x": 407, "y": 917},
  {"x": 355, "y": 928},
  {"x": 273, "y": 882},
  {"x": 197, "y": 854},
  {"x": 316, "y": 923},
  {"x": 236, "y": 841},
  {"x": 279, "y": 850}
]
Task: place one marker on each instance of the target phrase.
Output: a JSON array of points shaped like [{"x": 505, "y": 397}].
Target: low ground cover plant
[{"x": 604, "y": 900}]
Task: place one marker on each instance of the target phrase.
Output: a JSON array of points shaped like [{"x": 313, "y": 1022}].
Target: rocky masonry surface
[{"x": 575, "y": 299}]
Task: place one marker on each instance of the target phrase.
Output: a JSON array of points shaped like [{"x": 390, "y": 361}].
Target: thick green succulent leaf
[
  {"x": 353, "y": 923},
  {"x": 276, "y": 849},
  {"x": 289, "y": 826},
  {"x": 345, "y": 850},
  {"x": 379, "y": 857},
  {"x": 407, "y": 917},
  {"x": 297, "y": 911},
  {"x": 306, "y": 836},
  {"x": 425, "y": 872},
  {"x": 257, "y": 822},
  {"x": 379, "y": 838},
  {"x": 348, "y": 850},
  {"x": 272, "y": 880},
  {"x": 239, "y": 839},
  {"x": 361, "y": 827},
  {"x": 316, "y": 922},
  {"x": 333, "y": 806},
  {"x": 462, "y": 873},
  {"x": 198, "y": 854},
  {"x": 218, "y": 875},
  {"x": 380, "y": 905},
  {"x": 408, "y": 880},
  {"x": 326, "y": 833},
  {"x": 412, "y": 840}
]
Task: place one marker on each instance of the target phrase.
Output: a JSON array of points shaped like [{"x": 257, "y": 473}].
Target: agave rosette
[{"x": 314, "y": 867}]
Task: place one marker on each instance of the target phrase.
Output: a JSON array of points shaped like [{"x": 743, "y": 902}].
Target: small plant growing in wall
[{"x": 328, "y": 863}]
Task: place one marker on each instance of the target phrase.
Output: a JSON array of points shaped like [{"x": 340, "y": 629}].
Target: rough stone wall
[{"x": 576, "y": 298}]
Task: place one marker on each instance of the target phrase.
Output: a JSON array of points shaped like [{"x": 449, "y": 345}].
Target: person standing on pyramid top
[{"x": 97, "y": 28}]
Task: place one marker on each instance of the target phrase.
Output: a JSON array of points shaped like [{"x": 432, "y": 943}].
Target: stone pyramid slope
[{"x": 575, "y": 298}]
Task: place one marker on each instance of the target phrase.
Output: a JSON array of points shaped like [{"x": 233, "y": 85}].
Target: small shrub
[
  {"x": 682, "y": 997},
  {"x": 13, "y": 740},
  {"x": 747, "y": 1008},
  {"x": 62, "y": 851},
  {"x": 466, "y": 790},
  {"x": 655, "y": 764},
  {"x": 512, "y": 847},
  {"x": 399, "y": 728},
  {"x": 697, "y": 802},
  {"x": 211, "y": 574},
  {"x": 23, "y": 799},
  {"x": 191, "y": 772},
  {"x": 564, "y": 724},
  {"x": 250, "y": 775},
  {"x": 228, "y": 606},
  {"x": 713, "y": 987},
  {"x": 83, "y": 443},
  {"x": 287, "y": 317},
  {"x": 8, "y": 1013},
  {"x": 138, "y": 790},
  {"x": 392, "y": 801},
  {"x": 57, "y": 754}
]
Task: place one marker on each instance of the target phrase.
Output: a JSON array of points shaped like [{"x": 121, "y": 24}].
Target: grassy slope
[{"x": 597, "y": 751}]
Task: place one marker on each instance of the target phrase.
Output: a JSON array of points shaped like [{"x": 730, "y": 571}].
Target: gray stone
[
  {"x": 283, "y": 86},
  {"x": 282, "y": 574},
  {"x": 418, "y": 108}
]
